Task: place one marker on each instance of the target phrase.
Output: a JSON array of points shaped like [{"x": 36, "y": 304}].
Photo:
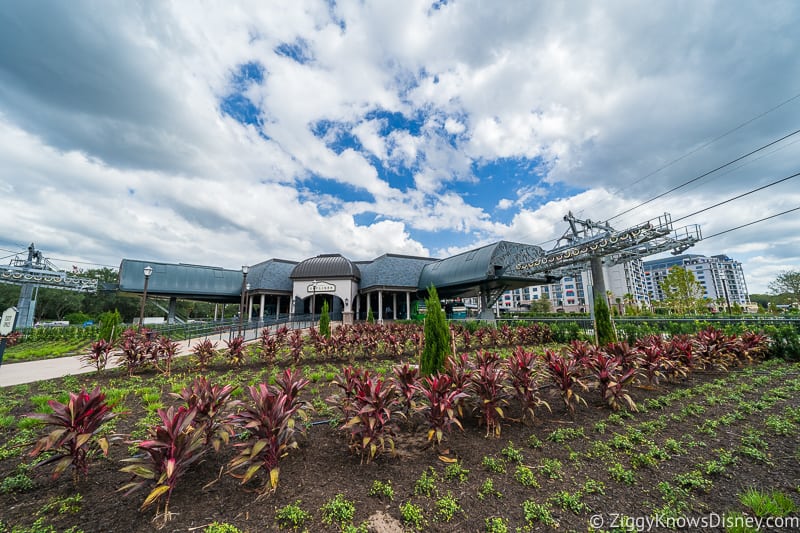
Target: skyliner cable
[
  {"x": 787, "y": 178},
  {"x": 751, "y": 223},
  {"x": 701, "y": 176},
  {"x": 712, "y": 141}
]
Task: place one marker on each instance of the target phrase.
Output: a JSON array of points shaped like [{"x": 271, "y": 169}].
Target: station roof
[
  {"x": 326, "y": 266},
  {"x": 271, "y": 276},
  {"x": 191, "y": 282},
  {"x": 490, "y": 267},
  {"x": 392, "y": 271}
]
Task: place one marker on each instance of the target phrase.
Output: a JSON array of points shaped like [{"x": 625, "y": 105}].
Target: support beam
[
  {"x": 408, "y": 306},
  {"x": 598, "y": 280}
]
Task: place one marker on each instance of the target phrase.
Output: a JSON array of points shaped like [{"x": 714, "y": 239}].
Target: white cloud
[
  {"x": 505, "y": 203},
  {"x": 116, "y": 108}
]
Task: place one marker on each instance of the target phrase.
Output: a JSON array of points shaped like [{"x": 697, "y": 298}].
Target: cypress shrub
[
  {"x": 370, "y": 316},
  {"x": 325, "y": 321},
  {"x": 110, "y": 325},
  {"x": 602, "y": 318},
  {"x": 437, "y": 336}
]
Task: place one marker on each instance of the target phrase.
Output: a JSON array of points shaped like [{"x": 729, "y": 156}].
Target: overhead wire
[
  {"x": 701, "y": 147},
  {"x": 701, "y": 176},
  {"x": 768, "y": 185},
  {"x": 712, "y": 141},
  {"x": 751, "y": 223}
]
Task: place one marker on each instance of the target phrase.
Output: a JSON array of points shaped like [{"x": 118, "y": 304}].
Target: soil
[{"x": 323, "y": 467}]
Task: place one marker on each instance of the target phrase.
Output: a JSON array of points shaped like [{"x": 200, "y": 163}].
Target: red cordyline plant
[
  {"x": 566, "y": 374},
  {"x": 204, "y": 352},
  {"x": 487, "y": 383},
  {"x": 440, "y": 406},
  {"x": 235, "y": 352},
  {"x": 291, "y": 384},
  {"x": 209, "y": 401},
  {"x": 534, "y": 334},
  {"x": 172, "y": 447},
  {"x": 269, "y": 347},
  {"x": 627, "y": 356},
  {"x": 13, "y": 338},
  {"x": 494, "y": 337},
  {"x": 74, "y": 440},
  {"x": 466, "y": 339},
  {"x": 713, "y": 348},
  {"x": 296, "y": 344},
  {"x": 371, "y": 425},
  {"x": 581, "y": 351},
  {"x": 347, "y": 381},
  {"x": 612, "y": 380},
  {"x": 392, "y": 345},
  {"x": 167, "y": 350},
  {"x": 653, "y": 360},
  {"x": 680, "y": 350},
  {"x": 98, "y": 355},
  {"x": 751, "y": 346},
  {"x": 281, "y": 335},
  {"x": 479, "y": 336},
  {"x": 521, "y": 372},
  {"x": 269, "y": 420},
  {"x": 460, "y": 369},
  {"x": 508, "y": 335},
  {"x": 405, "y": 379},
  {"x": 134, "y": 350}
]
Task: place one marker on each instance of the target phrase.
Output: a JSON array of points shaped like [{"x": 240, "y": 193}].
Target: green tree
[
  {"x": 325, "y": 321},
  {"x": 602, "y": 319},
  {"x": 370, "y": 316},
  {"x": 788, "y": 283},
  {"x": 437, "y": 336},
  {"x": 683, "y": 293},
  {"x": 541, "y": 306},
  {"x": 110, "y": 325}
]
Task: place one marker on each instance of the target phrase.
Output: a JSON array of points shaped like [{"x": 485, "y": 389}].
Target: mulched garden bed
[{"x": 323, "y": 466}]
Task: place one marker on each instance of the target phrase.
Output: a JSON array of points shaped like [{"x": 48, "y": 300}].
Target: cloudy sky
[{"x": 227, "y": 133}]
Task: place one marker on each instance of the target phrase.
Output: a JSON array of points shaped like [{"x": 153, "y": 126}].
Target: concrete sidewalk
[{"x": 28, "y": 372}]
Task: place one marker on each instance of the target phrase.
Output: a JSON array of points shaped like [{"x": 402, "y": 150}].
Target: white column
[
  {"x": 216, "y": 306},
  {"x": 278, "y": 308},
  {"x": 261, "y": 308},
  {"x": 249, "y": 307},
  {"x": 358, "y": 306},
  {"x": 394, "y": 306},
  {"x": 408, "y": 306},
  {"x": 380, "y": 307},
  {"x": 369, "y": 303}
]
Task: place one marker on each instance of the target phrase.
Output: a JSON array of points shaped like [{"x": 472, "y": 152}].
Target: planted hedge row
[{"x": 481, "y": 384}]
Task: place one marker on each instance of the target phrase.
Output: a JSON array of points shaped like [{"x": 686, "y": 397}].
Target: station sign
[
  {"x": 7, "y": 320},
  {"x": 321, "y": 286}
]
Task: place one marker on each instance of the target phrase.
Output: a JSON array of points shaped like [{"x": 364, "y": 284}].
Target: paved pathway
[{"x": 28, "y": 372}]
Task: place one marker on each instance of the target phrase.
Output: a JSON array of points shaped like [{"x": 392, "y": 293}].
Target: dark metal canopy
[
  {"x": 487, "y": 269},
  {"x": 190, "y": 282},
  {"x": 326, "y": 266}
]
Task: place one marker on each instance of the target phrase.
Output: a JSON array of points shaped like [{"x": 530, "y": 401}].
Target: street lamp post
[
  {"x": 313, "y": 299},
  {"x": 245, "y": 269},
  {"x": 148, "y": 271}
]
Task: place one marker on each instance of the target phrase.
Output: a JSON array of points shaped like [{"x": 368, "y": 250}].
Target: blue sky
[{"x": 224, "y": 134}]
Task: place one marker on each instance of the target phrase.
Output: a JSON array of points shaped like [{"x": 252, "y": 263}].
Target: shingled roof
[{"x": 392, "y": 271}]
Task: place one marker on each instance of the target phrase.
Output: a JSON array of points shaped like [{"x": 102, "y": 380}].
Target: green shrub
[
  {"x": 18, "y": 483},
  {"x": 338, "y": 510},
  {"x": 412, "y": 515},
  {"x": 216, "y": 527},
  {"x": 292, "y": 515},
  {"x": 605, "y": 329},
  {"x": 325, "y": 321},
  {"x": 382, "y": 490},
  {"x": 437, "y": 336}
]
